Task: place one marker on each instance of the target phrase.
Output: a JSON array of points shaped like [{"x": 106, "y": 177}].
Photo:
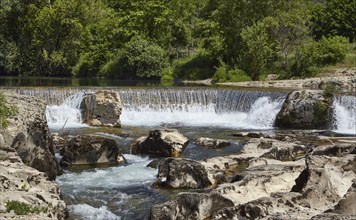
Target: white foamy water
[
  {"x": 134, "y": 173},
  {"x": 87, "y": 212},
  {"x": 260, "y": 116},
  {"x": 98, "y": 193},
  {"x": 344, "y": 117},
  {"x": 67, "y": 114}
]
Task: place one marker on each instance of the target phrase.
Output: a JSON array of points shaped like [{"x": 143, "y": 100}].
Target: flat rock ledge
[{"x": 282, "y": 181}]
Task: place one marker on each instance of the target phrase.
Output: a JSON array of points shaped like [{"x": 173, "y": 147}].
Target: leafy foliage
[
  {"x": 131, "y": 39},
  {"x": 6, "y": 111}
]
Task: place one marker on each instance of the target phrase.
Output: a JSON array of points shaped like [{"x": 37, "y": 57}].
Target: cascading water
[
  {"x": 344, "y": 117},
  {"x": 237, "y": 109},
  {"x": 203, "y": 107},
  {"x": 67, "y": 114}
]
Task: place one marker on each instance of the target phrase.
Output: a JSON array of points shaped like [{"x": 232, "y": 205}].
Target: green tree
[{"x": 334, "y": 17}]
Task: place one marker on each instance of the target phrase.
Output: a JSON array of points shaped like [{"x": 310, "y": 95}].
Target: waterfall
[
  {"x": 226, "y": 108},
  {"x": 240, "y": 109},
  {"x": 344, "y": 116},
  {"x": 67, "y": 114}
]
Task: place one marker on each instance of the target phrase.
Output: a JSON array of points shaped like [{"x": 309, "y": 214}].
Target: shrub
[
  {"x": 224, "y": 74},
  {"x": 331, "y": 50},
  {"x": 6, "y": 111},
  {"x": 198, "y": 66}
]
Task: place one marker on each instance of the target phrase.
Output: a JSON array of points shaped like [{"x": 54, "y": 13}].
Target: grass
[{"x": 21, "y": 208}]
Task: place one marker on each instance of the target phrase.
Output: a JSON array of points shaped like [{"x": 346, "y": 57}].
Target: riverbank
[{"x": 343, "y": 78}]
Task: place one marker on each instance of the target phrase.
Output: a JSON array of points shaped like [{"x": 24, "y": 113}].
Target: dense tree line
[{"x": 185, "y": 39}]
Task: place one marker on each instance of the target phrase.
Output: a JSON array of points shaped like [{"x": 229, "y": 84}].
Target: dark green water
[{"x": 72, "y": 82}]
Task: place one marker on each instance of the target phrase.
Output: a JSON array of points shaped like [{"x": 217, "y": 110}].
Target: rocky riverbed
[{"x": 292, "y": 173}]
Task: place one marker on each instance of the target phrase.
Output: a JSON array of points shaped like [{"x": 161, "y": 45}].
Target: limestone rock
[
  {"x": 91, "y": 150},
  {"x": 304, "y": 109},
  {"x": 183, "y": 173},
  {"x": 29, "y": 135},
  {"x": 212, "y": 143},
  {"x": 190, "y": 206},
  {"x": 102, "y": 108},
  {"x": 24, "y": 184},
  {"x": 162, "y": 142}
]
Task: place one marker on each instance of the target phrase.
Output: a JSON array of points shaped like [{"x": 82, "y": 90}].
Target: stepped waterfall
[
  {"x": 240, "y": 109},
  {"x": 236, "y": 109}
]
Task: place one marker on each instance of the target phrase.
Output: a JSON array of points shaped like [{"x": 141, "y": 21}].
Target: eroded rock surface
[
  {"x": 278, "y": 183},
  {"x": 25, "y": 184},
  {"x": 183, "y": 173},
  {"x": 29, "y": 135},
  {"x": 162, "y": 142}
]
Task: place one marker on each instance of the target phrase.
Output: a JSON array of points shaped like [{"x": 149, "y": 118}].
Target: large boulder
[
  {"x": 102, "y": 108},
  {"x": 91, "y": 150},
  {"x": 183, "y": 173},
  {"x": 29, "y": 135},
  {"x": 162, "y": 142},
  {"x": 305, "y": 109},
  {"x": 21, "y": 186}
]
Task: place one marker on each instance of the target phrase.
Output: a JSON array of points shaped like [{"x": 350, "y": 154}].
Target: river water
[{"x": 125, "y": 192}]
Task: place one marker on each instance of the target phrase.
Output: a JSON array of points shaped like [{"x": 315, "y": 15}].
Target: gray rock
[
  {"x": 162, "y": 142},
  {"x": 29, "y": 135},
  {"x": 101, "y": 109},
  {"x": 91, "y": 150},
  {"x": 25, "y": 184},
  {"x": 183, "y": 173},
  {"x": 305, "y": 109},
  {"x": 190, "y": 206},
  {"x": 212, "y": 143}
]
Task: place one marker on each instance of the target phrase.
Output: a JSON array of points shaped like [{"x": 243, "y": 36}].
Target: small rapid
[
  {"x": 110, "y": 193},
  {"x": 344, "y": 115}
]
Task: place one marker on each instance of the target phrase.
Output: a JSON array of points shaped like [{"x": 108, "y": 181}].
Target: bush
[
  {"x": 138, "y": 59},
  {"x": 198, "y": 66},
  {"x": 167, "y": 74},
  {"x": 6, "y": 111},
  {"x": 331, "y": 50},
  {"x": 224, "y": 74}
]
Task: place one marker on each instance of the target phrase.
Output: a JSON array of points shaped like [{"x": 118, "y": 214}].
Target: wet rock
[
  {"x": 183, "y": 173},
  {"x": 91, "y": 150},
  {"x": 304, "y": 109},
  {"x": 248, "y": 134},
  {"x": 24, "y": 184},
  {"x": 212, "y": 143},
  {"x": 190, "y": 206},
  {"x": 29, "y": 135},
  {"x": 102, "y": 108},
  {"x": 154, "y": 164},
  {"x": 163, "y": 142}
]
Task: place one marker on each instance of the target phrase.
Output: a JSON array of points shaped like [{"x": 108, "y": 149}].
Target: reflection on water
[{"x": 70, "y": 82}]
